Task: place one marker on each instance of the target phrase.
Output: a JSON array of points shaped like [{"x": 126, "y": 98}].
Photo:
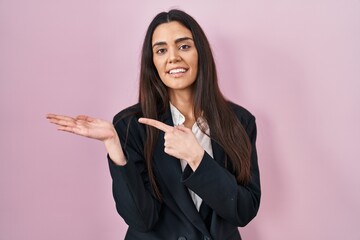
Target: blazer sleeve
[
  {"x": 131, "y": 187},
  {"x": 217, "y": 186}
]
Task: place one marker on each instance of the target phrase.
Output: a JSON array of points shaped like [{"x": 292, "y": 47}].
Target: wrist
[
  {"x": 196, "y": 159},
  {"x": 112, "y": 138},
  {"x": 113, "y": 147}
]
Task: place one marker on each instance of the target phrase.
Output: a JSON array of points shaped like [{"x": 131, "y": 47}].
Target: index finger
[
  {"x": 58, "y": 117},
  {"x": 156, "y": 124}
]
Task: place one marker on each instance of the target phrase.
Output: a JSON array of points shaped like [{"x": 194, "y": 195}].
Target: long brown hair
[{"x": 209, "y": 102}]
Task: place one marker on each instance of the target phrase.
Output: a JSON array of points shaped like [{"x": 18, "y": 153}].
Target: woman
[{"x": 183, "y": 160}]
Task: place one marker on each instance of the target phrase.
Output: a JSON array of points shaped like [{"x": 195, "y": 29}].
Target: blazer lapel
[{"x": 170, "y": 170}]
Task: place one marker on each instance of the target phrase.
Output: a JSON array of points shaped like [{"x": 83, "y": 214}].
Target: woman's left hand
[{"x": 180, "y": 142}]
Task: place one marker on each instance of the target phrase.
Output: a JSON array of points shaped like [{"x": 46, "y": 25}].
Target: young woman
[{"x": 183, "y": 159}]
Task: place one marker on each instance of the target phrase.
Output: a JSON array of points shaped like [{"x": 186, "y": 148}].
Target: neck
[{"x": 183, "y": 101}]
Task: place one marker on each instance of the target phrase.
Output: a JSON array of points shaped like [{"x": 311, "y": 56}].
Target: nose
[{"x": 174, "y": 57}]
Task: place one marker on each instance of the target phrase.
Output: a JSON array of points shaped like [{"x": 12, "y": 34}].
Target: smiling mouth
[{"x": 177, "y": 71}]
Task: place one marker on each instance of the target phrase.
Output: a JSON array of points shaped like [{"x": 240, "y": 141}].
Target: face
[{"x": 175, "y": 56}]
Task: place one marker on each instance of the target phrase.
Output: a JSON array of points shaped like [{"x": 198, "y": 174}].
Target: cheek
[{"x": 158, "y": 66}]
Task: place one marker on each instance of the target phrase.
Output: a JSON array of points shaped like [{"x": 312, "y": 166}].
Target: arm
[
  {"x": 131, "y": 187},
  {"x": 217, "y": 187}
]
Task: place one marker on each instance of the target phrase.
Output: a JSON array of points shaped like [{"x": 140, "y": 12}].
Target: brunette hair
[{"x": 209, "y": 102}]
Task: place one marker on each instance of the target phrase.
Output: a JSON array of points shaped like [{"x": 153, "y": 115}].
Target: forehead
[{"x": 168, "y": 32}]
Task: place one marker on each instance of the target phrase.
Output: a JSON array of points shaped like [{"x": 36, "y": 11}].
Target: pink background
[{"x": 294, "y": 64}]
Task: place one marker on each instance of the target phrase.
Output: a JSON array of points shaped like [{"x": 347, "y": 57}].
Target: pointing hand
[{"x": 179, "y": 142}]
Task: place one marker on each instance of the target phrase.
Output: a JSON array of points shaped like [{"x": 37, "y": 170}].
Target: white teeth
[{"x": 177, "y": 70}]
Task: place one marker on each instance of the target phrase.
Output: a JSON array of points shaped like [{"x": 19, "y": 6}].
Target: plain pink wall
[{"x": 294, "y": 64}]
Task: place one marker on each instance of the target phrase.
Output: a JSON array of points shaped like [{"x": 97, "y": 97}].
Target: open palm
[{"x": 84, "y": 126}]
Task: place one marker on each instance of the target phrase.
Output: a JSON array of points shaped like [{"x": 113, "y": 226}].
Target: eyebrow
[{"x": 176, "y": 41}]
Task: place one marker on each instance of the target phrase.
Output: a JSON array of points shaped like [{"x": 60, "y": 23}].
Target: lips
[{"x": 176, "y": 71}]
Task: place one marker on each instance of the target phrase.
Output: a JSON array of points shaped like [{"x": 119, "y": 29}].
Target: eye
[
  {"x": 184, "y": 47},
  {"x": 160, "y": 51}
]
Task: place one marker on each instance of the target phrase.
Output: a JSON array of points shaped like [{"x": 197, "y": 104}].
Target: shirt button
[{"x": 182, "y": 238}]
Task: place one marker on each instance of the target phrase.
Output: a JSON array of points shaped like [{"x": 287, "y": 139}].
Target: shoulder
[
  {"x": 128, "y": 113},
  {"x": 244, "y": 115},
  {"x": 127, "y": 119},
  {"x": 131, "y": 133},
  {"x": 246, "y": 118}
]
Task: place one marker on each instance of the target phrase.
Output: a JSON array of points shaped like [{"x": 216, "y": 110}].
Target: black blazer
[{"x": 226, "y": 204}]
